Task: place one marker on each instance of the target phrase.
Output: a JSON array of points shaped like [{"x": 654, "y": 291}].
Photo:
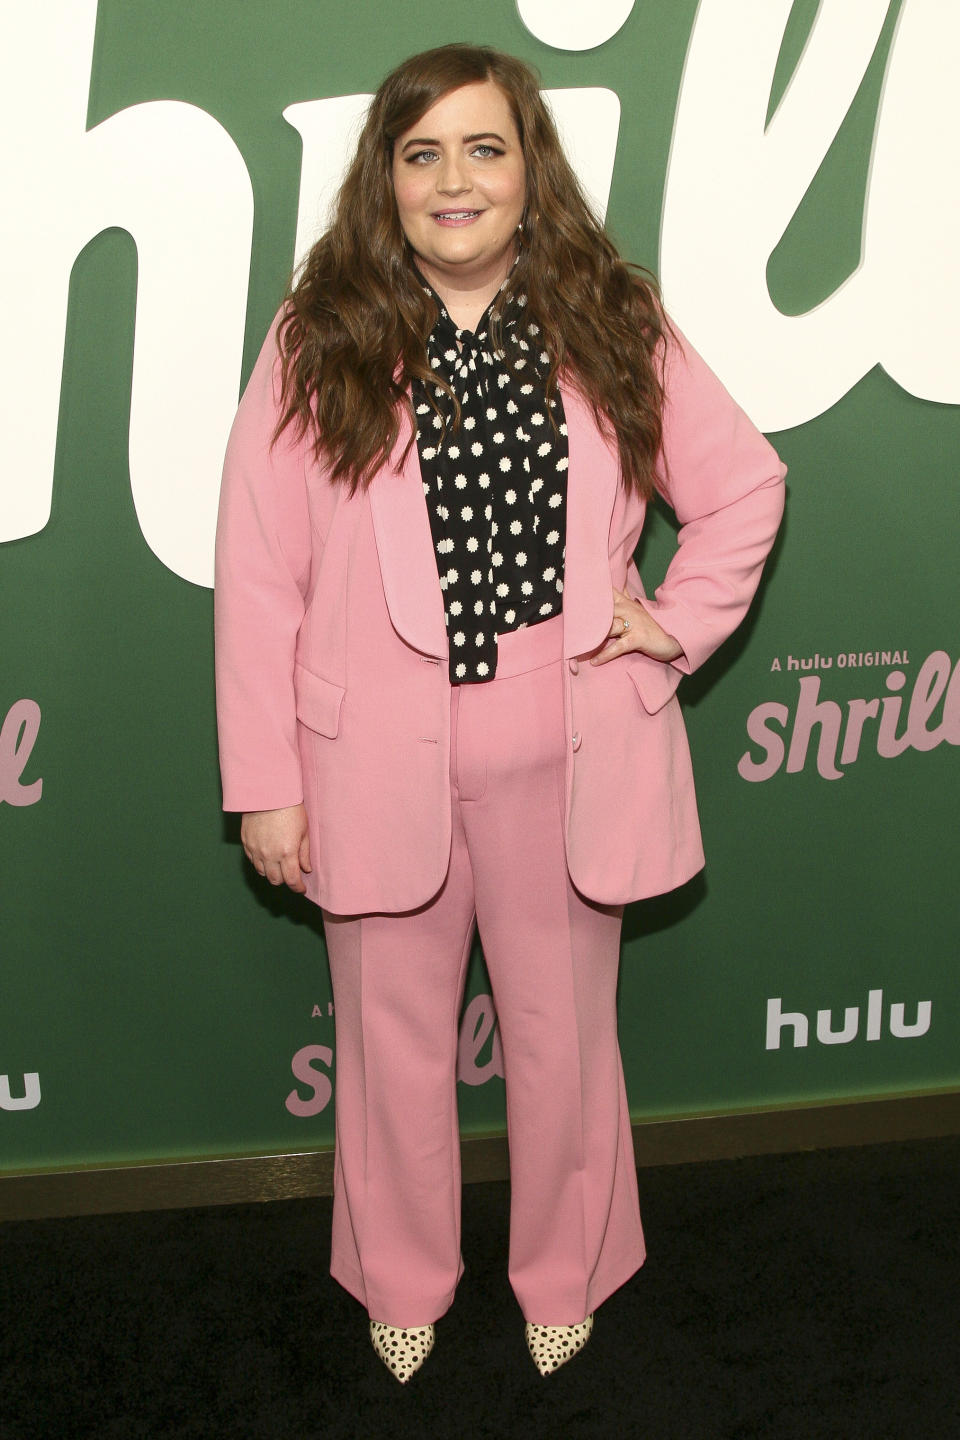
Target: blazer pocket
[
  {"x": 318, "y": 702},
  {"x": 655, "y": 680}
]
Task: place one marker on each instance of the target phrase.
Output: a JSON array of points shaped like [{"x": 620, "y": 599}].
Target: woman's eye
[{"x": 428, "y": 157}]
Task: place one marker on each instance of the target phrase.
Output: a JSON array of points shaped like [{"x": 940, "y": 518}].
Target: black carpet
[{"x": 811, "y": 1295}]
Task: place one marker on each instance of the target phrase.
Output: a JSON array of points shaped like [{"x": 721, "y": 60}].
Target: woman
[{"x": 443, "y": 696}]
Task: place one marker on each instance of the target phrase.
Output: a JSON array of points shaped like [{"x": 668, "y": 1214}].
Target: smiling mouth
[{"x": 455, "y": 217}]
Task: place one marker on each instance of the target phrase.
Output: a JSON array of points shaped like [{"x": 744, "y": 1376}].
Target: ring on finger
[{"x": 626, "y": 626}]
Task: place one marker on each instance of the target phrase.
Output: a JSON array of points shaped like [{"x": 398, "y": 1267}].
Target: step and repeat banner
[{"x": 789, "y": 171}]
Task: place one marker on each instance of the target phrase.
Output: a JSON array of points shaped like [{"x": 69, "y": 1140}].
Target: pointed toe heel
[
  {"x": 551, "y": 1346},
  {"x": 402, "y": 1349}
]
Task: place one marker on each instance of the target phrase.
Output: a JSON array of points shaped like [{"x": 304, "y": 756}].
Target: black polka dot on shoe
[
  {"x": 551, "y": 1346},
  {"x": 403, "y": 1351}
]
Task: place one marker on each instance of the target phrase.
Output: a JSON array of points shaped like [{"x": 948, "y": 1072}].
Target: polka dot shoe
[
  {"x": 402, "y": 1351},
  {"x": 553, "y": 1345}
]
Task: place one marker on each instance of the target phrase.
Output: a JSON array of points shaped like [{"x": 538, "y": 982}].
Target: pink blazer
[{"x": 332, "y": 684}]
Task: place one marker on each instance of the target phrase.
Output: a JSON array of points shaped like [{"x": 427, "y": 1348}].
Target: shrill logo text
[
  {"x": 919, "y": 717},
  {"x": 479, "y": 1058},
  {"x": 18, "y": 735}
]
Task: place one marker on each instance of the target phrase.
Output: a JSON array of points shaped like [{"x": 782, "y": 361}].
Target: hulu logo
[{"x": 779, "y": 1020}]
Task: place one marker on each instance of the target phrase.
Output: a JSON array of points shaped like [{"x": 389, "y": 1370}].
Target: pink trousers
[{"x": 552, "y": 958}]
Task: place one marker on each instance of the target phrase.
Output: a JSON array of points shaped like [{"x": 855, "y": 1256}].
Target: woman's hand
[
  {"x": 634, "y": 628},
  {"x": 277, "y": 844}
]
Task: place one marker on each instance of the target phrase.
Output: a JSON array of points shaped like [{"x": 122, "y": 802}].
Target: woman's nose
[{"x": 452, "y": 178}]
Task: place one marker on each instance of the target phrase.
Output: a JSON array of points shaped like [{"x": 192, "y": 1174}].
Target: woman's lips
[{"x": 456, "y": 217}]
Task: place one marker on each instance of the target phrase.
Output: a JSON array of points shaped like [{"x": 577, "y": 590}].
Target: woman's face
[{"x": 460, "y": 184}]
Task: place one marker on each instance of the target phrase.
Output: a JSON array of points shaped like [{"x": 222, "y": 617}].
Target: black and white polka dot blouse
[{"x": 495, "y": 486}]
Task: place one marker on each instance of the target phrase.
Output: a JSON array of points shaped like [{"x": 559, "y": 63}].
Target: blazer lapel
[
  {"x": 408, "y": 563},
  {"x": 592, "y": 476}
]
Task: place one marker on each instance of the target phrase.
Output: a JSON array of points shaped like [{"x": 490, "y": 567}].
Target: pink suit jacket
[{"x": 332, "y": 685}]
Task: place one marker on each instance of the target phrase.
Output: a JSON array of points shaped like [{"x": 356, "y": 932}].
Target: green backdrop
[{"x": 156, "y": 1000}]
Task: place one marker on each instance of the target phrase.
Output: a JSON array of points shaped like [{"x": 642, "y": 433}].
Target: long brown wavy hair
[{"x": 354, "y": 326}]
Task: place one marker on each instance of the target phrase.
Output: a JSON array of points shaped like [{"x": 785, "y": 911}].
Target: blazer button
[
  {"x": 574, "y": 667},
  {"x": 576, "y": 740}
]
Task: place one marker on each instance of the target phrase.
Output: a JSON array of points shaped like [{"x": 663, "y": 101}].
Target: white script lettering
[
  {"x": 739, "y": 180},
  {"x": 171, "y": 175}
]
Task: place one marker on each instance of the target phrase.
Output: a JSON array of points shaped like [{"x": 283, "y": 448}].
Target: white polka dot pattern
[{"x": 500, "y": 546}]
